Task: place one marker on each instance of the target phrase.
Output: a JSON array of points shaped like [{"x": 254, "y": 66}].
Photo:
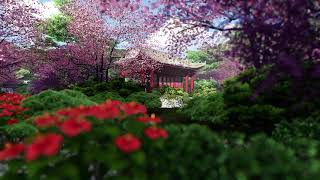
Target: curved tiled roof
[{"x": 162, "y": 57}]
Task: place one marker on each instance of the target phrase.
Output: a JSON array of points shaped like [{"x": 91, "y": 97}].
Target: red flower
[
  {"x": 147, "y": 119},
  {"x": 155, "y": 133},
  {"x": 101, "y": 112},
  {"x": 10, "y": 98},
  {"x": 107, "y": 110},
  {"x": 11, "y": 151},
  {"x": 5, "y": 112},
  {"x": 12, "y": 121},
  {"x": 133, "y": 108},
  {"x": 128, "y": 143},
  {"x": 46, "y": 120},
  {"x": 73, "y": 127},
  {"x": 45, "y": 145}
]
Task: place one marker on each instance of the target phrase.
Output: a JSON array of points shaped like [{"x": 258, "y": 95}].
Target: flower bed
[{"x": 86, "y": 141}]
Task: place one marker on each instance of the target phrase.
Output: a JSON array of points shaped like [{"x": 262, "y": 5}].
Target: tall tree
[
  {"x": 280, "y": 33},
  {"x": 92, "y": 36},
  {"x": 18, "y": 20}
]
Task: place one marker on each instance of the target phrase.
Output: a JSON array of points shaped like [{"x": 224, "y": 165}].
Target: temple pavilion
[{"x": 156, "y": 69}]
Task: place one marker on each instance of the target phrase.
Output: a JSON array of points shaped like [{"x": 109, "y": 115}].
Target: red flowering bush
[
  {"x": 10, "y": 108},
  {"x": 111, "y": 139}
]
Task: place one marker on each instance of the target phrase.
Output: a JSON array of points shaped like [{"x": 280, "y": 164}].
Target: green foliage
[
  {"x": 98, "y": 152},
  {"x": 24, "y": 74},
  {"x": 302, "y": 135},
  {"x": 264, "y": 158},
  {"x": 211, "y": 66},
  {"x": 22, "y": 89},
  {"x": 60, "y": 3},
  {"x": 188, "y": 147},
  {"x": 16, "y": 132},
  {"x": 101, "y": 97},
  {"x": 56, "y": 28},
  {"x": 204, "y": 87},
  {"x": 53, "y": 100},
  {"x": 119, "y": 89},
  {"x": 172, "y": 93},
  {"x": 197, "y": 56},
  {"x": 208, "y": 108},
  {"x": 299, "y": 128},
  {"x": 243, "y": 110},
  {"x": 119, "y": 86},
  {"x": 150, "y": 100},
  {"x": 211, "y": 156}
]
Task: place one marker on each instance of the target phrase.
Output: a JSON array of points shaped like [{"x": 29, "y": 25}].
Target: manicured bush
[
  {"x": 16, "y": 132},
  {"x": 130, "y": 86},
  {"x": 101, "y": 97},
  {"x": 208, "y": 108},
  {"x": 53, "y": 100},
  {"x": 150, "y": 100},
  {"x": 115, "y": 86}
]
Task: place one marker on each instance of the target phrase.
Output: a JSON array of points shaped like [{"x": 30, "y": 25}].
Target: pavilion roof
[{"x": 162, "y": 57}]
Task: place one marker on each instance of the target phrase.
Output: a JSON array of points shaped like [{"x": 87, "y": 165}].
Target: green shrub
[
  {"x": 22, "y": 89},
  {"x": 195, "y": 152},
  {"x": 204, "y": 87},
  {"x": 53, "y": 100},
  {"x": 264, "y": 158},
  {"x": 172, "y": 93},
  {"x": 89, "y": 91},
  {"x": 129, "y": 85},
  {"x": 206, "y": 108},
  {"x": 150, "y": 100},
  {"x": 299, "y": 128},
  {"x": 101, "y": 97},
  {"x": 302, "y": 135},
  {"x": 124, "y": 89},
  {"x": 191, "y": 152},
  {"x": 16, "y": 132},
  {"x": 245, "y": 111},
  {"x": 125, "y": 92}
]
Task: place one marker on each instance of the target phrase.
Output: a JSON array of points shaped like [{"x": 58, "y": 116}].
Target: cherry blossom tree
[
  {"x": 280, "y": 33},
  {"x": 18, "y": 21},
  {"x": 92, "y": 49}
]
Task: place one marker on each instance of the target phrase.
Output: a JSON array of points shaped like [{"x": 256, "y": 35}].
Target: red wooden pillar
[
  {"x": 192, "y": 83},
  {"x": 151, "y": 80},
  {"x": 186, "y": 83},
  {"x": 175, "y": 80}
]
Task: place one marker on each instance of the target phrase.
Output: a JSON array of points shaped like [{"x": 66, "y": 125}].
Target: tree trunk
[
  {"x": 101, "y": 68},
  {"x": 107, "y": 74}
]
